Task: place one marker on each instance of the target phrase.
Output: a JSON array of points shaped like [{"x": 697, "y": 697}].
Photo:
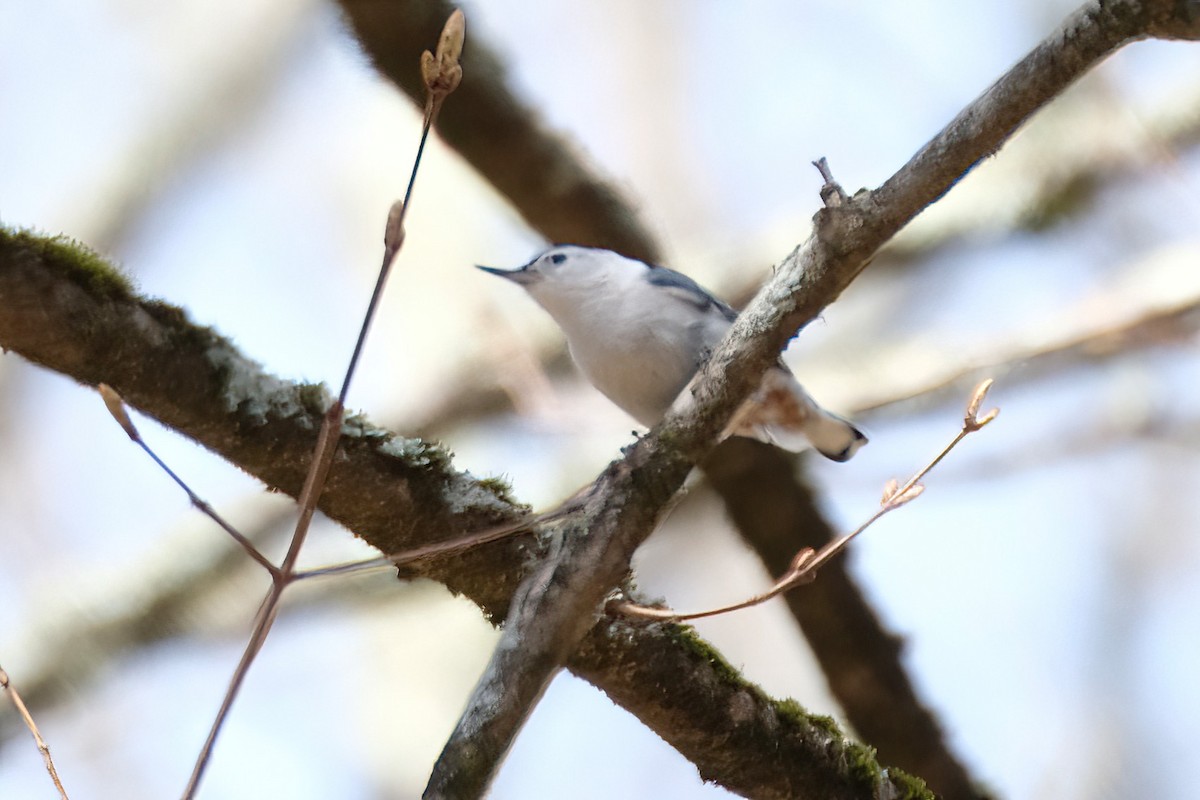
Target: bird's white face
[
  {"x": 569, "y": 268},
  {"x": 568, "y": 275}
]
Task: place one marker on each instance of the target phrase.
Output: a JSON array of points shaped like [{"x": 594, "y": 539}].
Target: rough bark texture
[
  {"x": 393, "y": 33},
  {"x": 66, "y": 309}
]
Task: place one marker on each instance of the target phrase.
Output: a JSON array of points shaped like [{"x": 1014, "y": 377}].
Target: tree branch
[
  {"x": 66, "y": 309},
  {"x": 504, "y": 140},
  {"x": 625, "y": 502}
]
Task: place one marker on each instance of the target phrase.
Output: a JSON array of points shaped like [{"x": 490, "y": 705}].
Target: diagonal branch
[
  {"x": 556, "y": 602},
  {"x": 551, "y": 186},
  {"x": 64, "y": 308}
]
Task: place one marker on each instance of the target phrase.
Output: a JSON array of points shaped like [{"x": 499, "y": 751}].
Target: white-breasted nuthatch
[{"x": 640, "y": 332}]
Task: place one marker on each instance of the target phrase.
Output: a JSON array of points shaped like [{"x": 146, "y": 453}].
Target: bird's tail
[{"x": 782, "y": 412}]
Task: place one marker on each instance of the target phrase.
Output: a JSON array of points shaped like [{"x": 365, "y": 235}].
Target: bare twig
[
  {"x": 436, "y": 549},
  {"x": 42, "y": 747},
  {"x": 441, "y": 74},
  {"x": 768, "y": 498},
  {"x": 806, "y": 562},
  {"x": 832, "y": 193},
  {"x": 116, "y": 407}
]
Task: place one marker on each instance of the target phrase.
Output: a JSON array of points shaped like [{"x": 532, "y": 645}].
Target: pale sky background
[{"x": 239, "y": 159}]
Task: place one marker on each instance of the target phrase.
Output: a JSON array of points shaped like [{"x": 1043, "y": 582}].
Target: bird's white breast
[{"x": 642, "y": 352}]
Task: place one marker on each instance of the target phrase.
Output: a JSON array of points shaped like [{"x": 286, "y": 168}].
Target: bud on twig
[
  {"x": 442, "y": 73},
  {"x": 116, "y": 407},
  {"x": 972, "y": 421}
]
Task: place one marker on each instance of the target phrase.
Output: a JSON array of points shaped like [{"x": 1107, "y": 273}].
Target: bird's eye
[{"x": 557, "y": 258}]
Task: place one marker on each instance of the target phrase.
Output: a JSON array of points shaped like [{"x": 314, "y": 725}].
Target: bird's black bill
[{"x": 521, "y": 275}]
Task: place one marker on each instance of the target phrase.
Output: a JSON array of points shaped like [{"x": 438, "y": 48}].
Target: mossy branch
[{"x": 64, "y": 308}]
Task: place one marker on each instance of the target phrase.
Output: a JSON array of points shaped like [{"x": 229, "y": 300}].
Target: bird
[{"x": 639, "y": 333}]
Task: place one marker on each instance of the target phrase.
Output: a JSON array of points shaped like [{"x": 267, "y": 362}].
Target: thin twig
[
  {"x": 806, "y": 563},
  {"x": 419, "y": 553},
  {"x": 116, "y": 407},
  {"x": 502, "y": 136},
  {"x": 42, "y": 747},
  {"x": 314, "y": 482},
  {"x": 463, "y": 543},
  {"x": 442, "y": 75},
  {"x": 322, "y": 459}
]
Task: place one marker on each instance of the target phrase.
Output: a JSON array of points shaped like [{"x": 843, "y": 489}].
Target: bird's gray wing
[{"x": 681, "y": 287}]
